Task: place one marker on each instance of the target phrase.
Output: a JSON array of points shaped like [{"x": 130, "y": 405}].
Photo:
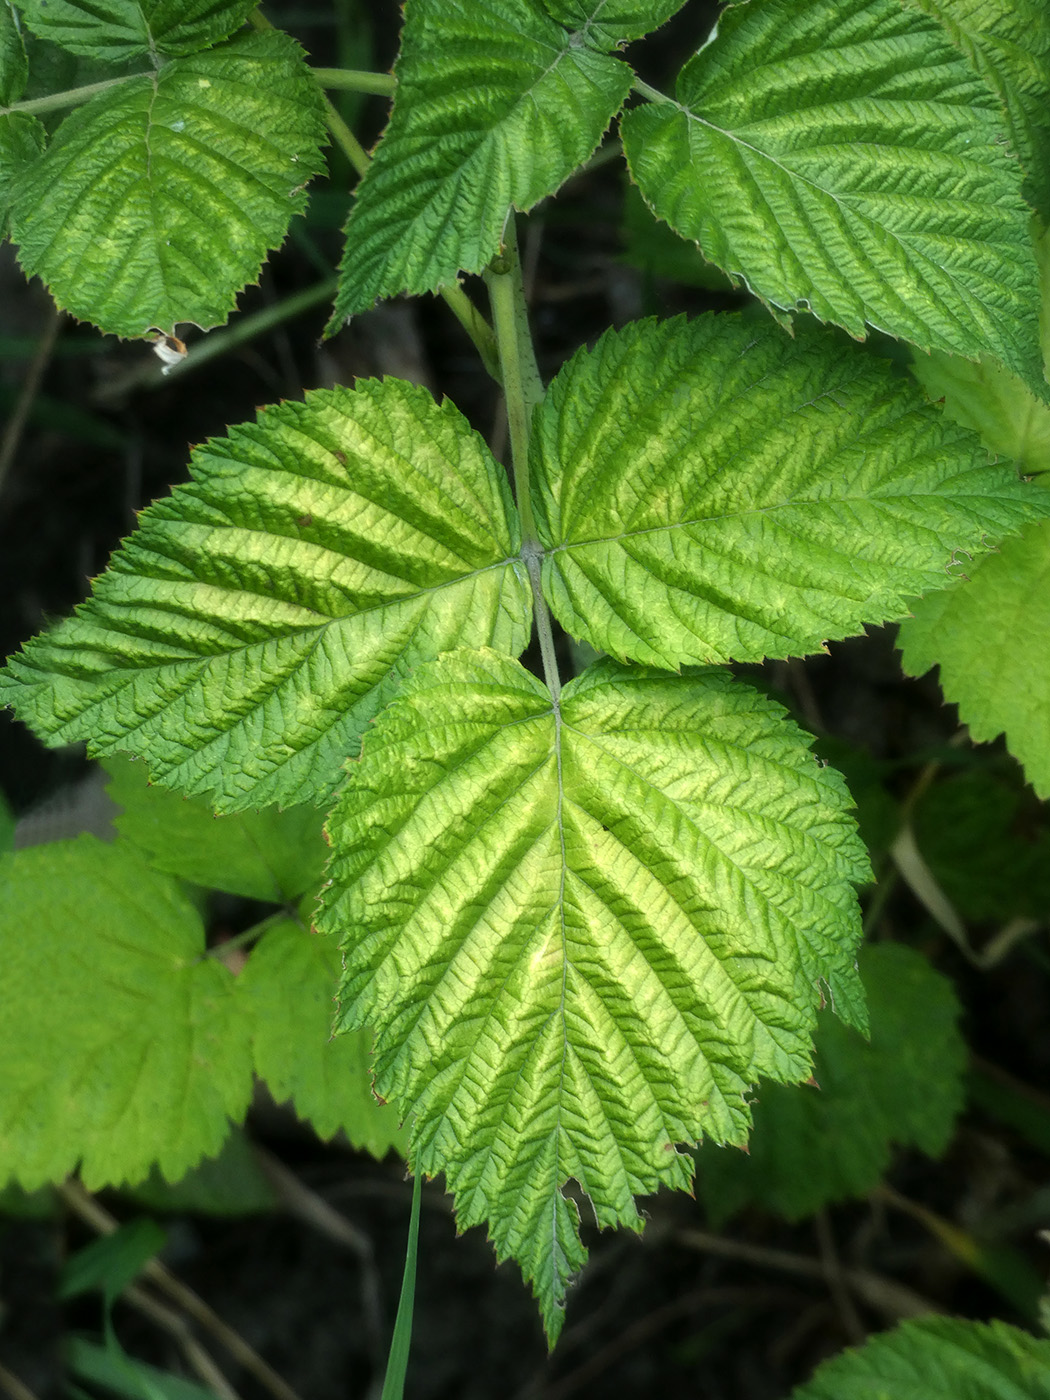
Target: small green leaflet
[
  {"x": 116, "y": 30},
  {"x": 244, "y": 636},
  {"x": 715, "y": 490},
  {"x": 269, "y": 855},
  {"x": 937, "y": 1358},
  {"x": 122, "y": 1045},
  {"x": 159, "y": 200},
  {"x": 813, "y": 1144},
  {"x": 13, "y": 67},
  {"x": 991, "y": 639},
  {"x": 861, "y": 172},
  {"x": 1008, "y": 43},
  {"x": 448, "y": 170},
  {"x": 580, "y": 933},
  {"x": 288, "y": 993}
]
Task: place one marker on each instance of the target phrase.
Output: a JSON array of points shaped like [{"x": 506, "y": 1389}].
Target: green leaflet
[
  {"x": 268, "y": 855},
  {"x": 1008, "y": 43},
  {"x": 116, "y": 30},
  {"x": 448, "y": 170},
  {"x": 158, "y": 200},
  {"x": 13, "y": 67},
  {"x": 288, "y": 995},
  {"x": 994, "y": 403},
  {"x": 580, "y": 935},
  {"x": 612, "y": 23},
  {"x": 989, "y": 638},
  {"x": 22, "y": 140},
  {"x": 121, "y": 1045},
  {"x": 937, "y": 1358},
  {"x": 858, "y": 171},
  {"x": 715, "y": 490},
  {"x": 813, "y": 1145},
  {"x": 244, "y": 636}
]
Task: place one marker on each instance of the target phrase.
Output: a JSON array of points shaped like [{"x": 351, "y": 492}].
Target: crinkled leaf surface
[
  {"x": 269, "y": 855},
  {"x": 991, "y": 639},
  {"x": 992, "y": 401},
  {"x": 247, "y": 632},
  {"x": 844, "y": 157},
  {"x": 1008, "y": 43},
  {"x": 122, "y": 1045},
  {"x": 581, "y": 933},
  {"x": 160, "y": 199},
  {"x": 613, "y": 22},
  {"x": 714, "y": 490},
  {"x": 937, "y": 1358},
  {"x": 14, "y": 69},
  {"x": 496, "y": 105},
  {"x": 116, "y": 30},
  {"x": 22, "y": 142},
  {"x": 288, "y": 992},
  {"x": 812, "y": 1145}
]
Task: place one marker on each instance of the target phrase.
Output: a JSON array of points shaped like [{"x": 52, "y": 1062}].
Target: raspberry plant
[{"x": 579, "y": 919}]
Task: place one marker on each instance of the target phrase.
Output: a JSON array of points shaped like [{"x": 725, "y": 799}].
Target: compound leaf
[
  {"x": 448, "y": 171},
  {"x": 117, "y": 30},
  {"x": 989, "y": 638},
  {"x": 158, "y": 201},
  {"x": 267, "y": 855},
  {"x": 716, "y": 490},
  {"x": 246, "y": 633},
  {"x": 859, "y": 170},
  {"x": 812, "y": 1145},
  {"x": 1008, "y": 43},
  {"x": 580, "y": 932},
  {"x": 288, "y": 990},
  {"x": 939, "y": 1358},
  {"x": 121, "y": 1044}
]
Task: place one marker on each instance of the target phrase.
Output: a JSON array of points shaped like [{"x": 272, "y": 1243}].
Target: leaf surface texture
[
  {"x": 715, "y": 490},
  {"x": 159, "y": 200},
  {"x": 843, "y": 157},
  {"x": 121, "y": 1043},
  {"x": 244, "y": 636},
  {"x": 581, "y": 933},
  {"x": 937, "y": 1358},
  {"x": 496, "y": 105},
  {"x": 116, "y": 30}
]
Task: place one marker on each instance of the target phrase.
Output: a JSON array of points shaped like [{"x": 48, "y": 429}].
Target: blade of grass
[{"x": 397, "y": 1363}]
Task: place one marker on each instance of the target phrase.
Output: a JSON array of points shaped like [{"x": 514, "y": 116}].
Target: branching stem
[
  {"x": 523, "y": 388},
  {"x": 72, "y": 97}
]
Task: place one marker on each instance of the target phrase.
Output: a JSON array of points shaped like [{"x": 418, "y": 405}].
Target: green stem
[
  {"x": 653, "y": 94},
  {"x": 523, "y": 389},
  {"x": 72, "y": 97},
  {"x": 352, "y": 80},
  {"x": 345, "y": 139}
]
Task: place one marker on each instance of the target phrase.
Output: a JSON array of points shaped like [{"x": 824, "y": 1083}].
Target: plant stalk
[
  {"x": 72, "y": 97},
  {"x": 353, "y": 80},
  {"x": 523, "y": 389}
]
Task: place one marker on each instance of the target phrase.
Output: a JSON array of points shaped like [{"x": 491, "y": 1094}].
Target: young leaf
[
  {"x": 812, "y": 1145},
  {"x": 244, "y": 636},
  {"x": 266, "y": 855},
  {"x": 938, "y": 1358},
  {"x": 989, "y": 639},
  {"x": 1008, "y": 43},
  {"x": 157, "y": 201},
  {"x": 13, "y": 67},
  {"x": 121, "y": 1044},
  {"x": 581, "y": 932},
  {"x": 715, "y": 490},
  {"x": 448, "y": 171},
  {"x": 288, "y": 992},
  {"x": 856, "y": 169},
  {"x": 117, "y": 30}
]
